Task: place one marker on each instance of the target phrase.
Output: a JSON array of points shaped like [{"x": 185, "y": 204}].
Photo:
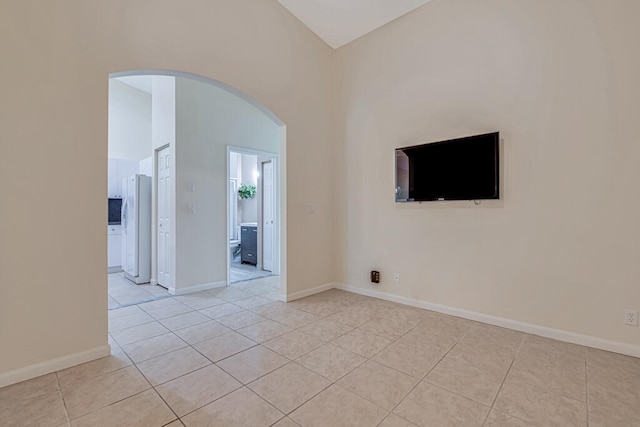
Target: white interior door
[
  {"x": 267, "y": 216},
  {"x": 164, "y": 217}
]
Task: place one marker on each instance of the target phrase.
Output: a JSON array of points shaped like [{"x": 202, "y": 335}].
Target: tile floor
[
  {"x": 237, "y": 357},
  {"x": 239, "y": 272}
]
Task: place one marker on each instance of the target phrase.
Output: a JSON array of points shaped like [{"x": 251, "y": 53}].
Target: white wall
[
  {"x": 208, "y": 119},
  {"x": 54, "y": 113},
  {"x": 248, "y": 208},
  {"x": 129, "y": 122},
  {"x": 559, "y": 80}
]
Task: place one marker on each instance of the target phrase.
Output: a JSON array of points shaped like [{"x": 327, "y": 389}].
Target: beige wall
[
  {"x": 54, "y": 124},
  {"x": 559, "y": 80}
]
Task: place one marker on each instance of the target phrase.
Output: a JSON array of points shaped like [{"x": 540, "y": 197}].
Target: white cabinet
[
  {"x": 114, "y": 248},
  {"x": 118, "y": 169}
]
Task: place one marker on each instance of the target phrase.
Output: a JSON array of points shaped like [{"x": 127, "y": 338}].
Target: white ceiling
[
  {"x": 142, "y": 83},
  {"x": 339, "y": 22}
]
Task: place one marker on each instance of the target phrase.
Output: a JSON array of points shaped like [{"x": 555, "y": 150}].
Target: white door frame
[
  {"x": 155, "y": 223},
  {"x": 272, "y": 202},
  {"x": 277, "y": 228}
]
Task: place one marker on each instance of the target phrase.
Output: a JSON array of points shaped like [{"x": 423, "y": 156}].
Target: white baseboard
[
  {"x": 53, "y": 365},
  {"x": 308, "y": 292},
  {"x": 197, "y": 288},
  {"x": 543, "y": 331},
  {"x": 153, "y": 282},
  {"x": 115, "y": 269}
]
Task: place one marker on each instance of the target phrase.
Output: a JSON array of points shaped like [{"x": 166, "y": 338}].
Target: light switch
[
  {"x": 191, "y": 186},
  {"x": 192, "y": 208}
]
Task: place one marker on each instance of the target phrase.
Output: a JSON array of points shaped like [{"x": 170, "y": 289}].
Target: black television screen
[
  {"x": 458, "y": 169},
  {"x": 115, "y": 208}
]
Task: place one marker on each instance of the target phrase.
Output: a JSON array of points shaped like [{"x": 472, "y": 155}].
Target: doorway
[
  {"x": 252, "y": 215},
  {"x": 183, "y": 263}
]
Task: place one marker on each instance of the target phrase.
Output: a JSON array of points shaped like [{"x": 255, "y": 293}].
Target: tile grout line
[
  {"x": 64, "y": 402},
  {"x": 524, "y": 336},
  {"x": 586, "y": 382}
]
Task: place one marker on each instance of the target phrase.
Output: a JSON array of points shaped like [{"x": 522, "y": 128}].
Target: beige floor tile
[
  {"x": 172, "y": 365},
  {"x": 411, "y": 360},
  {"x": 252, "y": 363},
  {"x": 264, "y": 331},
  {"x": 427, "y": 341},
  {"x": 403, "y": 314},
  {"x": 387, "y": 328},
  {"x": 168, "y": 307},
  {"x": 353, "y": 318},
  {"x": 540, "y": 408},
  {"x": 499, "y": 419},
  {"x": 152, "y": 347},
  {"x": 144, "y": 409},
  {"x": 240, "y": 319},
  {"x": 605, "y": 416},
  {"x": 437, "y": 324},
  {"x": 138, "y": 333},
  {"x": 362, "y": 343},
  {"x": 622, "y": 396},
  {"x": 378, "y": 384},
  {"x": 240, "y": 408},
  {"x": 251, "y": 302},
  {"x": 286, "y": 422},
  {"x": 117, "y": 360},
  {"x": 176, "y": 423},
  {"x": 95, "y": 393},
  {"x": 338, "y": 407},
  {"x": 226, "y": 345},
  {"x": 319, "y": 308},
  {"x": 482, "y": 337},
  {"x": 290, "y": 386},
  {"x": 13, "y": 394},
  {"x": 200, "y": 300},
  {"x": 36, "y": 410},
  {"x": 393, "y": 420},
  {"x": 295, "y": 318},
  {"x": 221, "y": 310},
  {"x": 326, "y": 330},
  {"x": 566, "y": 377},
  {"x": 272, "y": 309},
  {"x": 495, "y": 360},
  {"x": 192, "y": 391},
  {"x": 330, "y": 361},
  {"x": 547, "y": 348},
  {"x": 429, "y": 405},
  {"x": 185, "y": 320},
  {"x": 293, "y": 344},
  {"x": 466, "y": 380},
  {"x": 229, "y": 293},
  {"x": 202, "y": 331},
  {"x": 124, "y": 322}
]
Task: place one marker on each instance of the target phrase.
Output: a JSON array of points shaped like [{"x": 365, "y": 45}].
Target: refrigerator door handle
[{"x": 124, "y": 214}]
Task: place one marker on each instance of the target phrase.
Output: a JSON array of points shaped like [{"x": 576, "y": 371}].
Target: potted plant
[{"x": 246, "y": 191}]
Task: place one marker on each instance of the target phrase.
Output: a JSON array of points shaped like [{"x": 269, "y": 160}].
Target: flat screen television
[
  {"x": 457, "y": 169},
  {"x": 115, "y": 208}
]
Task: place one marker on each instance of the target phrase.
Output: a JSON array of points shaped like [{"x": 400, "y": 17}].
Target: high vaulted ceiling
[{"x": 339, "y": 22}]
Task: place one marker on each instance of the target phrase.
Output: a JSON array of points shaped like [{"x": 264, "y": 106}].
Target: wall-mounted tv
[
  {"x": 115, "y": 208},
  {"x": 457, "y": 169}
]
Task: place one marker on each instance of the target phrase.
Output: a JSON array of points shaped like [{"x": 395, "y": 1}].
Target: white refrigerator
[{"x": 136, "y": 228}]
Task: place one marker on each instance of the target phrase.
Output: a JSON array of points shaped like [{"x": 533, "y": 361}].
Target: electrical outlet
[
  {"x": 396, "y": 277},
  {"x": 631, "y": 317}
]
